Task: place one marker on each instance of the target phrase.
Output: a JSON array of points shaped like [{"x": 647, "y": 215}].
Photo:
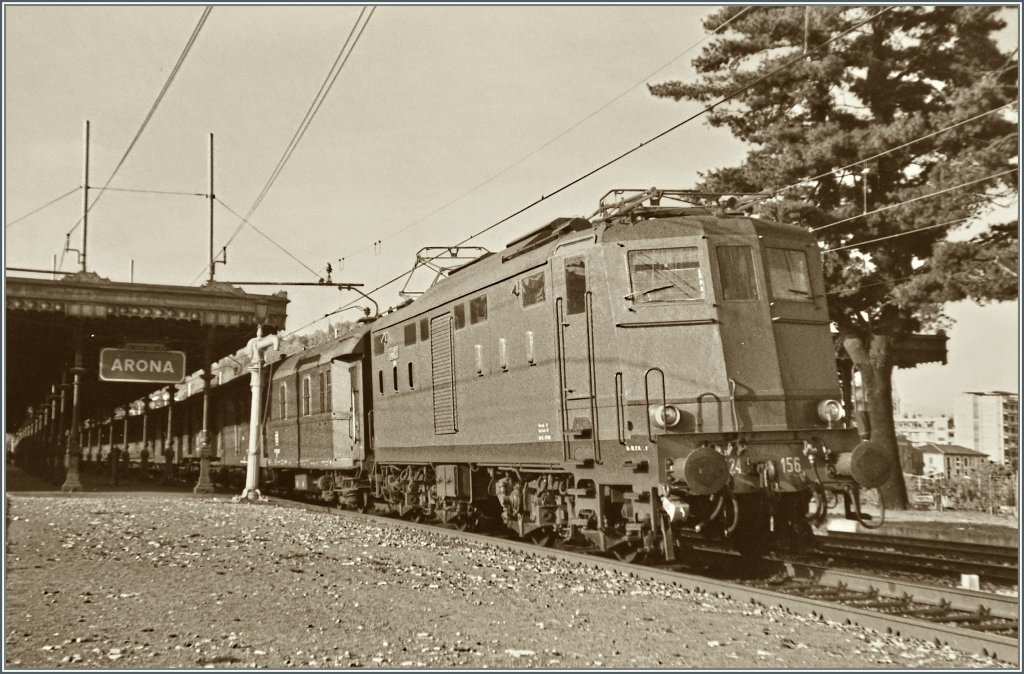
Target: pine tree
[{"x": 834, "y": 93}]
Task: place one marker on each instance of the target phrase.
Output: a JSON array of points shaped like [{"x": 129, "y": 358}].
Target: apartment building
[{"x": 989, "y": 422}]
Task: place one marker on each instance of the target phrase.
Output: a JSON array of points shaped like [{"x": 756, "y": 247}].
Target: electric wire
[
  {"x": 560, "y": 135},
  {"x": 910, "y": 201},
  {"x": 51, "y": 202},
  {"x": 146, "y": 191},
  {"x": 899, "y": 234},
  {"x": 696, "y": 115},
  {"x": 265, "y": 236},
  {"x": 728, "y": 97},
  {"x": 893, "y": 149},
  {"x": 152, "y": 111},
  {"x": 325, "y": 87}
]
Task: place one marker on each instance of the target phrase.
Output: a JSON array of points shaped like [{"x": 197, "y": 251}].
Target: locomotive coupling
[{"x": 868, "y": 464}]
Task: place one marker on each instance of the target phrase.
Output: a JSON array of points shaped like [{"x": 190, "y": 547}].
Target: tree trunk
[{"x": 872, "y": 356}]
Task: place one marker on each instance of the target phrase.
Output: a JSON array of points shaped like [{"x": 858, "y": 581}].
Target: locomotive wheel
[
  {"x": 544, "y": 537},
  {"x": 416, "y": 515},
  {"x": 466, "y": 522},
  {"x": 628, "y": 552}
]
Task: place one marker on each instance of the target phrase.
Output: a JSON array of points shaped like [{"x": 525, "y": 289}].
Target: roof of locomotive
[{"x": 533, "y": 249}]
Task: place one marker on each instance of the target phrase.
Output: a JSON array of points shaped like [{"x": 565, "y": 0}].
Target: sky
[{"x": 443, "y": 121}]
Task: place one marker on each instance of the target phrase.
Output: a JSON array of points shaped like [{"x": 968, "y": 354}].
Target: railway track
[
  {"x": 973, "y": 622},
  {"x": 991, "y": 563}
]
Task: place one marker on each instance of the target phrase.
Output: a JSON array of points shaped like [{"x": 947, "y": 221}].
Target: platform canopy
[{"x": 44, "y": 316}]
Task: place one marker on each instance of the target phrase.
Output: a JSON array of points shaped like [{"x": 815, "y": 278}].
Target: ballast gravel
[{"x": 151, "y": 581}]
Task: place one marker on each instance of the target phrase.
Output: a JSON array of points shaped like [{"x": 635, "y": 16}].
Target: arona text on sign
[{"x": 141, "y": 365}]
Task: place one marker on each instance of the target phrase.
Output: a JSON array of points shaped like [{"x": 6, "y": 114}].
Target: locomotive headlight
[
  {"x": 830, "y": 411},
  {"x": 666, "y": 416}
]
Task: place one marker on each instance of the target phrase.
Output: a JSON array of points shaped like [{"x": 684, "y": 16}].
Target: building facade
[
  {"x": 989, "y": 422},
  {"x": 919, "y": 429},
  {"x": 951, "y": 461}
]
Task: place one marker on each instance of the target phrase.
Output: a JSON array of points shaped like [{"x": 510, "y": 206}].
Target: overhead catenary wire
[
  {"x": 147, "y": 191},
  {"x": 910, "y": 201},
  {"x": 561, "y": 134},
  {"x": 325, "y": 87},
  {"x": 892, "y": 149},
  {"x": 948, "y": 223},
  {"x": 152, "y": 110},
  {"x": 697, "y": 115},
  {"x": 728, "y": 97},
  {"x": 51, "y": 202},
  {"x": 265, "y": 236}
]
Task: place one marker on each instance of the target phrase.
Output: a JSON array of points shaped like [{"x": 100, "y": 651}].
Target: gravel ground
[{"x": 158, "y": 580}]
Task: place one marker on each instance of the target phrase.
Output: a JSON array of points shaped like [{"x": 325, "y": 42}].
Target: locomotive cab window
[
  {"x": 575, "y": 285},
  {"x": 478, "y": 309},
  {"x": 665, "y": 275},
  {"x": 424, "y": 329},
  {"x": 410, "y": 334},
  {"x": 378, "y": 345},
  {"x": 788, "y": 275},
  {"x": 460, "y": 316},
  {"x": 736, "y": 273},
  {"x": 533, "y": 289}
]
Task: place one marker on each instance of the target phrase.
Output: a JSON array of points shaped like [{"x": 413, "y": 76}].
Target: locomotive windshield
[
  {"x": 665, "y": 275},
  {"x": 788, "y": 275}
]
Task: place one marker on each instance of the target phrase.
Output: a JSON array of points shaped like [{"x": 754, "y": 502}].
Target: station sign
[{"x": 142, "y": 365}]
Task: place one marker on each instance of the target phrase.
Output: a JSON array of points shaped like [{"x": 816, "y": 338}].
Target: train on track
[{"x": 660, "y": 371}]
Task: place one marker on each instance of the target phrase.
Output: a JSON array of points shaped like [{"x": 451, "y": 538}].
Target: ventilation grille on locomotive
[{"x": 442, "y": 375}]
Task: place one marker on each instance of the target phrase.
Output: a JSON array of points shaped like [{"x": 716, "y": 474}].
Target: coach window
[
  {"x": 410, "y": 334},
  {"x": 306, "y": 396},
  {"x": 665, "y": 275},
  {"x": 533, "y": 289},
  {"x": 424, "y": 329},
  {"x": 460, "y": 316},
  {"x": 788, "y": 275},
  {"x": 478, "y": 309},
  {"x": 325, "y": 391},
  {"x": 283, "y": 402},
  {"x": 575, "y": 285},
  {"x": 736, "y": 273}
]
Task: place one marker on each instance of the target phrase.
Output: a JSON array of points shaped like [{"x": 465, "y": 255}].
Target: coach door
[
  {"x": 344, "y": 382},
  {"x": 574, "y": 335}
]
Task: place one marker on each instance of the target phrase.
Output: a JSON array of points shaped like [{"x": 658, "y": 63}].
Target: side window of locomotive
[
  {"x": 410, "y": 334},
  {"x": 378, "y": 345},
  {"x": 665, "y": 275},
  {"x": 460, "y": 316},
  {"x": 424, "y": 329},
  {"x": 478, "y": 309},
  {"x": 736, "y": 272},
  {"x": 533, "y": 289},
  {"x": 788, "y": 275},
  {"x": 575, "y": 285}
]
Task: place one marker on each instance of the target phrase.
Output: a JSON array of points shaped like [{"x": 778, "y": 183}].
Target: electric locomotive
[{"x": 648, "y": 374}]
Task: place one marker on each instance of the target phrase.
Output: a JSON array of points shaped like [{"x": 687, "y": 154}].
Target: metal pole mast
[
  {"x": 212, "y": 265},
  {"x": 85, "y": 197}
]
